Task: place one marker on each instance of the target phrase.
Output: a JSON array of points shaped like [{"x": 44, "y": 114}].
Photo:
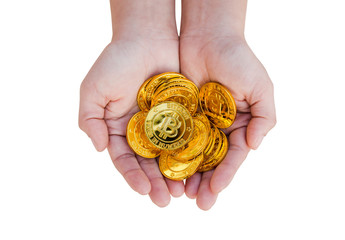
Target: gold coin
[
  {"x": 141, "y": 97},
  {"x": 210, "y": 156},
  {"x": 137, "y": 139},
  {"x": 223, "y": 151},
  {"x": 200, "y": 116},
  {"x": 177, "y": 82},
  {"x": 214, "y": 134},
  {"x": 217, "y": 157},
  {"x": 155, "y": 82},
  {"x": 198, "y": 142},
  {"x": 168, "y": 125},
  {"x": 181, "y": 95},
  {"x": 216, "y": 146},
  {"x": 217, "y": 104},
  {"x": 176, "y": 170},
  {"x": 187, "y": 83}
]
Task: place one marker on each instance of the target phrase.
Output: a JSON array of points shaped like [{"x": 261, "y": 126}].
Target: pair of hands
[{"x": 108, "y": 101}]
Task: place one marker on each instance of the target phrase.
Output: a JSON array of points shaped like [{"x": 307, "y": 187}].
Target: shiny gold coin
[
  {"x": 218, "y": 157},
  {"x": 176, "y": 170},
  {"x": 211, "y": 155},
  {"x": 210, "y": 143},
  {"x": 141, "y": 97},
  {"x": 168, "y": 125},
  {"x": 217, "y": 104},
  {"x": 187, "y": 83},
  {"x": 223, "y": 151},
  {"x": 177, "y": 82},
  {"x": 155, "y": 82},
  {"x": 201, "y": 117},
  {"x": 137, "y": 139},
  {"x": 198, "y": 141},
  {"x": 215, "y": 148},
  {"x": 214, "y": 134},
  {"x": 181, "y": 95}
]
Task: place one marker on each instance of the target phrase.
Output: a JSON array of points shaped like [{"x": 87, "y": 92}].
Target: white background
[{"x": 54, "y": 185}]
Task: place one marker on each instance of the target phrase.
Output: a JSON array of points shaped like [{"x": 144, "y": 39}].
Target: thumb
[
  {"x": 91, "y": 116},
  {"x": 263, "y": 114}
]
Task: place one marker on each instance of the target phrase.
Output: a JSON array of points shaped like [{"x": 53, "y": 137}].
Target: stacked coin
[{"x": 170, "y": 127}]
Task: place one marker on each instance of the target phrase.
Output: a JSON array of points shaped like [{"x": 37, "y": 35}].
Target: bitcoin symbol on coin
[
  {"x": 169, "y": 125},
  {"x": 216, "y": 103},
  {"x": 166, "y": 128}
]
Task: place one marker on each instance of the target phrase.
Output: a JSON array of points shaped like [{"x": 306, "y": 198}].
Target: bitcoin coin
[
  {"x": 141, "y": 97},
  {"x": 216, "y": 146},
  {"x": 217, "y": 104},
  {"x": 223, "y": 150},
  {"x": 200, "y": 116},
  {"x": 137, "y": 139},
  {"x": 210, "y": 156},
  {"x": 197, "y": 144},
  {"x": 177, "y": 82},
  {"x": 217, "y": 157},
  {"x": 214, "y": 133},
  {"x": 181, "y": 95},
  {"x": 168, "y": 125},
  {"x": 186, "y": 83},
  {"x": 176, "y": 170},
  {"x": 156, "y": 81}
]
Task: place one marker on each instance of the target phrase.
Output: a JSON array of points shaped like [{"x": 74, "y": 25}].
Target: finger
[
  {"x": 263, "y": 116},
  {"x": 192, "y": 185},
  {"x": 127, "y": 164},
  {"x": 206, "y": 198},
  {"x": 159, "y": 193},
  {"x": 176, "y": 188},
  {"x": 226, "y": 170},
  {"x": 91, "y": 116},
  {"x": 242, "y": 120}
]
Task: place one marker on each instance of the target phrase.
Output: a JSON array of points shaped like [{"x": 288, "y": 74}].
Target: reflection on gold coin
[
  {"x": 217, "y": 104},
  {"x": 223, "y": 150},
  {"x": 176, "y": 170},
  {"x": 214, "y": 134},
  {"x": 141, "y": 97},
  {"x": 181, "y": 95},
  {"x": 168, "y": 125},
  {"x": 156, "y": 81},
  {"x": 198, "y": 142},
  {"x": 210, "y": 156},
  {"x": 218, "y": 155},
  {"x": 137, "y": 139},
  {"x": 177, "y": 82},
  {"x": 201, "y": 117}
]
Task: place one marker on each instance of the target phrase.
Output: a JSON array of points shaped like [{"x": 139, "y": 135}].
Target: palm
[
  {"x": 233, "y": 64},
  {"x": 113, "y": 83}
]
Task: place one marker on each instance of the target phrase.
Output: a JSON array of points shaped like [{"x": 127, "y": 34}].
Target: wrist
[
  {"x": 150, "y": 19},
  {"x": 222, "y": 18}
]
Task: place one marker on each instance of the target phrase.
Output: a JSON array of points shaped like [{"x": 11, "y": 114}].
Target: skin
[
  {"x": 145, "y": 42},
  {"x": 213, "y": 48}
]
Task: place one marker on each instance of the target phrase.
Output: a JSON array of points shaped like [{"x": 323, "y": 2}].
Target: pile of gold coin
[{"x": 169, "y": 125}]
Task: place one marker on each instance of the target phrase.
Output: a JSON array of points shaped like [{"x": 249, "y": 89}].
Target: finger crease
[
  {"x": 124, "y": 156},
  {"x": 126, "y": 173}
]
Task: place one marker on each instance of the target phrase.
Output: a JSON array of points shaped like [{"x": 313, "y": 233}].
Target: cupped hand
[
  {"x": 229, "y": 61},
  {"x": 108, "y": 100}
]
